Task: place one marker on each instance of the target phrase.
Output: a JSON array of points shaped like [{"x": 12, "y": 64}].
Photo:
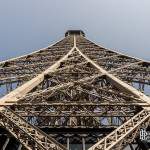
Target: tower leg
[{"x": 5, "y": 144}]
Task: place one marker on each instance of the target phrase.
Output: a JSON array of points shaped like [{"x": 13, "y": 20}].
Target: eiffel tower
[{"x": 74, "y": 95}]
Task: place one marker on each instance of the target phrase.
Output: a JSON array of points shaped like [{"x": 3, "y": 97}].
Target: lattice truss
[{"x": 74, "y": 84}]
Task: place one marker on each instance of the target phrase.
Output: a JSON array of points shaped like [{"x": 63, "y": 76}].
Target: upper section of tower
[{"x": 74, "y": 32}]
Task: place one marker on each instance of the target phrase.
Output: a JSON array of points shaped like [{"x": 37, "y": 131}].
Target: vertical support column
[
  {"x": 83, "y": 141},
  {"x": 19, "y": 147},
  {"x": 68, "y": 143},
  {"x": 11, "y": 86},
  {"x": 68, "y": 140},
  {"x": 5, "y": 144}
]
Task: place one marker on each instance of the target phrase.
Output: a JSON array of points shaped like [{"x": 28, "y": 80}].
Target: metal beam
[
  {"x": 26, "y": 133},
  {"x": 82, "y": 79},
  {"x": 6, "y": 143},
  {"x": 28, "y": 86},
  {"x": 117, "y": 82},
  {"x": 121, "y": 132}
]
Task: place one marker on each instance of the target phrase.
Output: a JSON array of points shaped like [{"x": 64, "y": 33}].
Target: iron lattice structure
[{"x": 74, "y": 95}]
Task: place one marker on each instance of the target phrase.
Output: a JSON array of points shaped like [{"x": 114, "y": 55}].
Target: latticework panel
[{"x": 79, "y": 93}]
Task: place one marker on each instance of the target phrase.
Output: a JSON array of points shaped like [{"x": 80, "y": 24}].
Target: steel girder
[
  {"x": 25, "y": 139},
  {"x": 30, "y": 136},
  {"x": 80, "y": 72},
  {"x": 27, "y": 67},
  {"x": 140, "y": 120}
]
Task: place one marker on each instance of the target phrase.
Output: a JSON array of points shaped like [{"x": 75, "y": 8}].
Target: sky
[{"x": 28, "y": 25}]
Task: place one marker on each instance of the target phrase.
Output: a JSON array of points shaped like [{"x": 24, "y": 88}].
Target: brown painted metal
[{"x": 74, "y": 84}]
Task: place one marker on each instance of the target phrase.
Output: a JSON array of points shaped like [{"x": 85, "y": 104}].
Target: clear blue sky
[{"x": 27, "y": 25}]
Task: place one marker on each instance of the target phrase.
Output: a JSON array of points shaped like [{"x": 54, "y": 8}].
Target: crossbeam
[
  {"x": 8, "y": 117},
  {"x": 28, "y": 135},
  {"x": 129, "y": 89},
  {"x": 86, "y": 77},
  {"x": 121, "y": 132}
]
